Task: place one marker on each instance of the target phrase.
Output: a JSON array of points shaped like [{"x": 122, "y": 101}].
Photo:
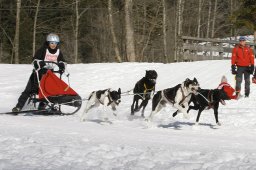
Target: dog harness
[
  {"x": 183, "y": 96},
  {"x": 109, "y": 98},
  {"x": 146, "y": 89}
]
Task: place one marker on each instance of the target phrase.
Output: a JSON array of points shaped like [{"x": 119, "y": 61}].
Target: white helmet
[{"x": 53, "y": 37}]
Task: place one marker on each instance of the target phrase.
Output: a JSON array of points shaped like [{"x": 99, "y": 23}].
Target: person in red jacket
[
  {"x": 242, "y": 65},
  {"x": 230, "y": 91}
]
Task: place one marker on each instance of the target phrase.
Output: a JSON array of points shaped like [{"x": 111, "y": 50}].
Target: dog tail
[
  {"x": 91, "y": 95},
  {"x": 156, "y": 99}
]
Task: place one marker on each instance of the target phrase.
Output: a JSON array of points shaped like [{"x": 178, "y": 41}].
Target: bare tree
[
  {"x": 178, "y": 27},
  {"x": 209, "y": 18},
  {"x": 34, "y": 27},
  {"x": 111, "y": 22},
  {"x": 17, "y": 34},
  {"x": 76, "y": 32},
  {"x": 164, "y": 31},
  {"x": 199, "y": 18},
  {"x": 214, "y": 18},
  {"x": 180, "y": 16},
  {"x": 130, "y": 47}
]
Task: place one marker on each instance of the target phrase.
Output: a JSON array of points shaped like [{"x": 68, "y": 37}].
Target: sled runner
[{"x": 55, "y": 97}]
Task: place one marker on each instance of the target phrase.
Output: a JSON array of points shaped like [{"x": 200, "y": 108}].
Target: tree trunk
[
  {"x": 114, "y": 39},
  {"x": 179, "y": 22},
  {"x": 180, "y": 16},
  {"x": 209, "y": 19},
  {"x": 199, "y": 18},
  {"x": 17, "y": 34},
  {"x": 214, "y": 17},
  {"x": 76, "y": 33},
  {"x": 34, "y": 28},
  {"x": 130, "y": 47},
  {"x": 164, "y": 31}
]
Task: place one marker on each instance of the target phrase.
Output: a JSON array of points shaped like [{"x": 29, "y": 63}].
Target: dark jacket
[{"x": 40, "y": 53}]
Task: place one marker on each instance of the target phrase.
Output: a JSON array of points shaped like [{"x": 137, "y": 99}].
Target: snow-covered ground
[{"x": 64, "y": 142}]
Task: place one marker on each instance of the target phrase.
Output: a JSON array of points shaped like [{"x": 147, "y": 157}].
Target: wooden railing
[{"x": 194, "y": 49}]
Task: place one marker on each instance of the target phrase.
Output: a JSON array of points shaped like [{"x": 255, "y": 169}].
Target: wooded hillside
[{"x": 117, "y": 30}]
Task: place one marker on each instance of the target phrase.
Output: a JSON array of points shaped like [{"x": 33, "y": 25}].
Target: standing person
[
  {"x": 48, "y": 52},
  {"x": 242, "y": 65}
]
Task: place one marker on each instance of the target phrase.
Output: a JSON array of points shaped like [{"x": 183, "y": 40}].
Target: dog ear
[
  {"x": 119, "y": 91},
  {"x": 186, "y": 82},
  {"x": 195, "y": 80}
]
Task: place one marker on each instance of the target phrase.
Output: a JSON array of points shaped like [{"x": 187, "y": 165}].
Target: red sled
[{"x": 55, "y": 96}]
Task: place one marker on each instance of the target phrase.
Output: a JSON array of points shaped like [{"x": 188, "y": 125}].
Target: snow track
[{"x": 64, "y": 142}]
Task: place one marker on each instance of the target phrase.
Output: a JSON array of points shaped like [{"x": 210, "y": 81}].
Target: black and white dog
[
  {"x": 178, "y": 96},
  {"x": 143, "y": 90},
  {"x": 207, "y": 99},
  {"x": 107, "y": 97}
]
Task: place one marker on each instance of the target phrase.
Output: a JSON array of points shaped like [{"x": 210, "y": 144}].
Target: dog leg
[
  {"x": 105, "y": 108},
  {"x": 145, "y": 103},
  {"x": 199, "y": 114},
  {"x": 216, "y": 106},
  {"x": 135, "y": 101},
  {"x": 154, "y": 112},
  {"x": 183, "y": 110},
  {"x": 89, "y": 105},
  {"x": 114, "y": 110},
  {"x": 175, "y": 113},
  {"x": 87, "y": 108}
]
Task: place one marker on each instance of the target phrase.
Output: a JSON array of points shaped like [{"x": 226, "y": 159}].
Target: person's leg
[
  {"x": 239, "y": 77},
  {"x": 30, "y": 88},
  {"x": 247, "y": 84}
]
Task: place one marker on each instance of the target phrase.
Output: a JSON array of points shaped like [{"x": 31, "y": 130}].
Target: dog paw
[
  {"x": 218, "y": 123},
  {"x": 196, "y": 123}
]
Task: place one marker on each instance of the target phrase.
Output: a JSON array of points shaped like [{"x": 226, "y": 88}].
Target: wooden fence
[{"x": 195, "y": 49}]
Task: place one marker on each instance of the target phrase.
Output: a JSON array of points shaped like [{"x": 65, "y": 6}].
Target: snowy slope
[{"x": 41, "y": 142}]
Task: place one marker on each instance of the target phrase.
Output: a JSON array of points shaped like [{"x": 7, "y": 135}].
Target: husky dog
[
  {"x": 106, "y": 98},
  {"x": 143, "y": 90},
  {"x": 178, "y": 96},
  {"x": 207, "y": 99}
]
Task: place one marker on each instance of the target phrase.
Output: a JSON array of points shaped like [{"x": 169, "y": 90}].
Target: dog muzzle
[
  {"x": 117, "y": 102},
  {"x": 195, "y": 90},
  {"x": 153, "y": 80}
]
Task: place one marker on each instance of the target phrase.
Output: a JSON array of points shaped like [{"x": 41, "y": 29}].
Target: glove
[
  {"x": 38, "y": 64},
  {"x": 251, "y": 68},
  {"x": 61, "y": 66},
  {"x": 254, "y": 79},
  {"x": 233, "y": 69}
]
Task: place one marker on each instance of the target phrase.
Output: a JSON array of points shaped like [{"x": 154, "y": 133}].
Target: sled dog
[
  {"x": 207, "y": 99},
  {"x": 178, "y": 96},
  {"x": 143, "y": 90},
  {"x": 107, "y": 97}
]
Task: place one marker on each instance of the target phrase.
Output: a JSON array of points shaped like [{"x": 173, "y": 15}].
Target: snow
[{"x": 64, "y": 142}]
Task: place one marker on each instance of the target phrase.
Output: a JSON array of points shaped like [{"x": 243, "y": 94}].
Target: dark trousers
[
  {"x": 31, "y": 88},
  {"x": 243, "y": 71}
]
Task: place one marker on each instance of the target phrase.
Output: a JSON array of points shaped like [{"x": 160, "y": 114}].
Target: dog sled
[{"x": 55, "y": 96}]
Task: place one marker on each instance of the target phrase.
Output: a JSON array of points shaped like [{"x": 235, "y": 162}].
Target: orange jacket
[
  {"x": 228, "y": 90},
  {"x": 242, "y": 56}
]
